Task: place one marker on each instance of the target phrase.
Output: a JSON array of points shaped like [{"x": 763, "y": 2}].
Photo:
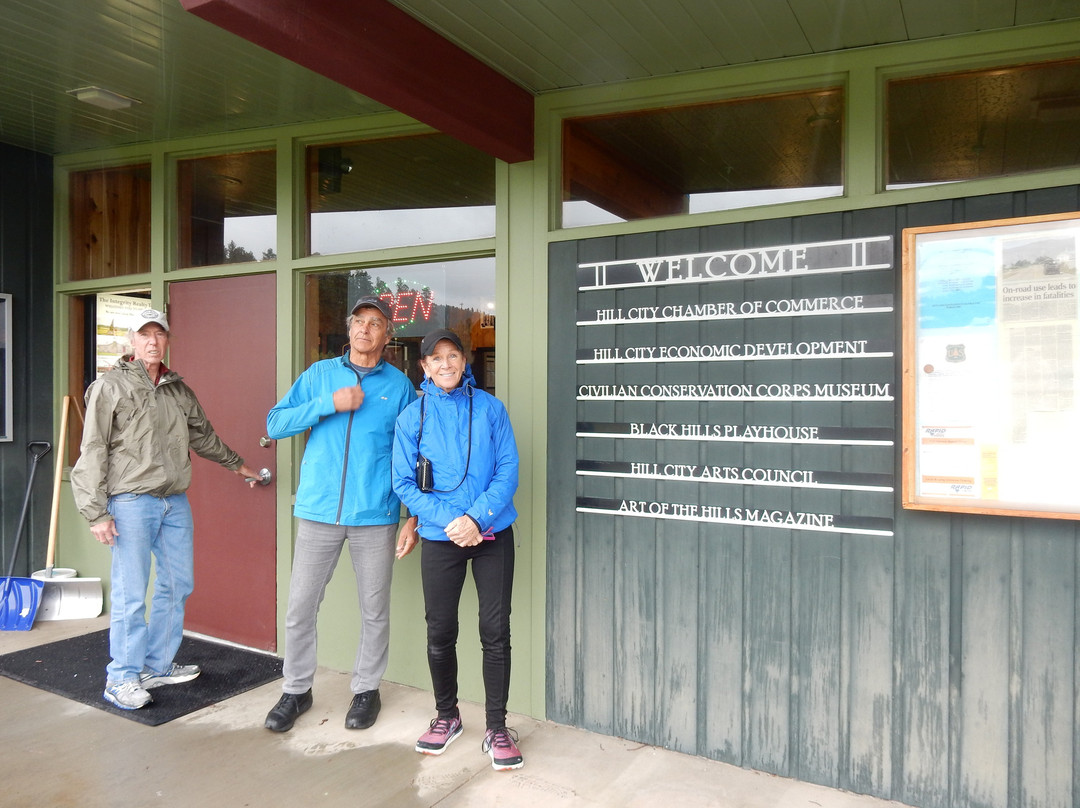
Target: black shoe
[
  {"x": 364, "y": 710},
  {"x": 289, "y": 707}
]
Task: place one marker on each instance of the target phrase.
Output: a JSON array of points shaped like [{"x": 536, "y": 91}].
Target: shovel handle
[
  {"x": 54, "y": 515},
  {"x": 37, "y": 449}
]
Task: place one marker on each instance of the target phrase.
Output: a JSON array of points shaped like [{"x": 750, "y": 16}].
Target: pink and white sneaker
[
  {"x": 441, "y": 733},
  {"x": 501, "y": 744}
]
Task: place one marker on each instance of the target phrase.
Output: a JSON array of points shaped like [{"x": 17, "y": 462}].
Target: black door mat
[{"x": 75, "y": 669}]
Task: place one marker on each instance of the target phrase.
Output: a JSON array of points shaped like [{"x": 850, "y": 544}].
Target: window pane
[
  {"x": 459, "y": 295},
  {"x": 228, "y": 207},
  {"x": 985, "y": 123},
  {"x": 424, "y": 189},
  {"x": 691, "y": 159},
  {"x": 110, "y": 222}
]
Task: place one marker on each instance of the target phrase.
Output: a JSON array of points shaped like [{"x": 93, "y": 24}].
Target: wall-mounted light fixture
[
  {"x": 100, "y": 97},
  {"x": 332, "y": 167}
]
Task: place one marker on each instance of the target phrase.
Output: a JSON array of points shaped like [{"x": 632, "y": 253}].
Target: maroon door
[{"x": 224, "y": 339}]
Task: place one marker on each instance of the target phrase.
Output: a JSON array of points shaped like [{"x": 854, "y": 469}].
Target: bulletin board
[{"x": 991, "y": 385}]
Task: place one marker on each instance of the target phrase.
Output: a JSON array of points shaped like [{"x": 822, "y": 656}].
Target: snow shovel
[
  {"x": 64, "y": 596},
  {"x": 19, "y": 601}
]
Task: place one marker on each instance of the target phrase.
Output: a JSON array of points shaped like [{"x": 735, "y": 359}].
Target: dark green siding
[
  {"x": 26, "y": 274},
  {"x": 936, "y": 666}
]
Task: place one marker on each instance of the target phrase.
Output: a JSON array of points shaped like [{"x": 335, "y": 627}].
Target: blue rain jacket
[
  {"x": 345, "y": 473},
  {"x": 486, "y": 491}
]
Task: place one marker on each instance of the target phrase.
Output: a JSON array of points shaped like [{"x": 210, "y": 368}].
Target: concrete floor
[{"x": 56, "y": 753}]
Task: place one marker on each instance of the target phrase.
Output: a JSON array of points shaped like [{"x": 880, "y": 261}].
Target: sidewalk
[{"x": 60, "y": 753}]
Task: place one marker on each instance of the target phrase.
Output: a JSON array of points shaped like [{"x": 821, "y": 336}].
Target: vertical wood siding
[
  {"x": 937, "y": 666},
  {"x": 26, "y": 274}
]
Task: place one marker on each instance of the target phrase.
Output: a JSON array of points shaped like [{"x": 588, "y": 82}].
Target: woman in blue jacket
[{"x": 456, "y": 469}]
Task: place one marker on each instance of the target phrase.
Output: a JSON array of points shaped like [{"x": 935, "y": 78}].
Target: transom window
[
  {"x": 691, "y": 159},
  {"x": 983, "y": 123}
]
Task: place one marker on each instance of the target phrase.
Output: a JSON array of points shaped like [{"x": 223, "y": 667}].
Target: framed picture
[
  {"x": 992, "y": 367},
  {"x": 5, "y": 368}
]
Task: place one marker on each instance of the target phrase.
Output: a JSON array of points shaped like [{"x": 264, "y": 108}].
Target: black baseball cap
[
  {"x": 373, "y": 302},
  {"x": 427, "y": 346}
]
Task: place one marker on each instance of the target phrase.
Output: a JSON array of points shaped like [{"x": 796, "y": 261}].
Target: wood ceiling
[{"x": 193, "y": 78}]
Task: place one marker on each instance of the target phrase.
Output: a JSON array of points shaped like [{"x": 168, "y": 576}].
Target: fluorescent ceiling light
[{"x": 106, "y": 99}]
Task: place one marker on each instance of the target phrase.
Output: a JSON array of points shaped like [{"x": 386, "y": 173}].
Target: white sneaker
[
  {"x": 177, "y": 674},
  {"x": 127, "y": 695}
]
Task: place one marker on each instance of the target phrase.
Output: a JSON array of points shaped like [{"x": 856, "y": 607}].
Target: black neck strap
[{"x": 468, "y": 454}]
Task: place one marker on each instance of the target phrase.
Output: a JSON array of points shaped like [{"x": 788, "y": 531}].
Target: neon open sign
[{"x": 408, "y": 307}]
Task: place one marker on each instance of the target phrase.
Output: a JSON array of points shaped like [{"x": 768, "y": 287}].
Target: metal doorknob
[
  {"x": 265, "y": 477},
  {"x": 265, "y": 441}
]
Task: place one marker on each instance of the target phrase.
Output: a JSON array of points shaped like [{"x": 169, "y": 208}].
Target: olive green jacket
[{"x": 137, "y": 438}]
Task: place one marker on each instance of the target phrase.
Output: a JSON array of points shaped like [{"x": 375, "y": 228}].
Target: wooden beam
[
  {"x": 596, "y": 173},
  {"x": 378, "y": 50}
]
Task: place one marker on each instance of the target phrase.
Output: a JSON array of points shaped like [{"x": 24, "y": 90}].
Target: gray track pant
[{"x": 318, "y": 547}]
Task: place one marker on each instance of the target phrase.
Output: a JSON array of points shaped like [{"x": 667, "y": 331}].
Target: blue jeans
[{"x": 161, "y": 527}]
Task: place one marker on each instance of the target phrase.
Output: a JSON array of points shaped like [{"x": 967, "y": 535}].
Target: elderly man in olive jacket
[{"x": 130, "y": 483}]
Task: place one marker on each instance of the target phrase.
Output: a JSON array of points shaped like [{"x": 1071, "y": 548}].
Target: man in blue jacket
[{"x": 350, "y": 404}]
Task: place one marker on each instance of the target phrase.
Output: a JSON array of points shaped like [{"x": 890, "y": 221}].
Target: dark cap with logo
[
  {"x": 373, "y": 302},
  {"x": 427, "y": 346}
]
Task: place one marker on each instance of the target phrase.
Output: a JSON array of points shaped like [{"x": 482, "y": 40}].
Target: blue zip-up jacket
[
  {"x": 487, "y": 491},
  {"x": 345, "y": 473}
]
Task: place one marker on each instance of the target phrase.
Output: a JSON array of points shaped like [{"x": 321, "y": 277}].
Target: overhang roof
[{"x": 192, "y": 77}]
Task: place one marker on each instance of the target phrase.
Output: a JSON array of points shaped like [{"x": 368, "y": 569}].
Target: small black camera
[{"x": 425, "y": 477}]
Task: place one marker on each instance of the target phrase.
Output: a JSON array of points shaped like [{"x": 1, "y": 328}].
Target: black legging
[{"x": 442, "y": 565}]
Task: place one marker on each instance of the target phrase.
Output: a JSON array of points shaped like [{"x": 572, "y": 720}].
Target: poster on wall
[
  {"x": 5, "y": 368},
  {"x": 115, "y": 316},
  {"x": 992, "y": 367}
]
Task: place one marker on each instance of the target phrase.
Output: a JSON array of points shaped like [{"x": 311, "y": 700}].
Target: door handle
[
  {"x": 264, "y": 478},
  {"x": 265, "y": 441}
]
